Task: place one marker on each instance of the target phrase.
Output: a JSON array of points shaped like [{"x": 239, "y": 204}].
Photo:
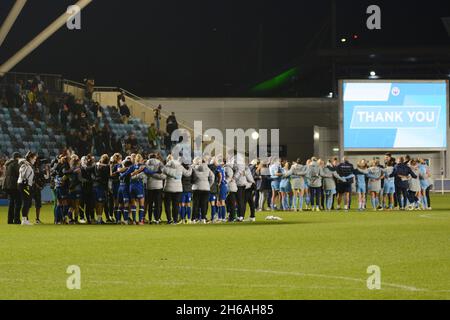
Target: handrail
[
  {"x": 75, "y": 83},
  {"x": 141, "y": 101},
  {"x": 33, "y": 74}
]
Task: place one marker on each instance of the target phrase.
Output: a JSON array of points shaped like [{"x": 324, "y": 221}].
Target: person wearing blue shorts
[
  {"x": 213, "y": 165},
  {"x": 123, "y": 193},
  {"x": 223, "y": 192},
  {"x": 275, "y": 175},
  {"x": 285, "y": 187},
  {"x": 389, "y": 185},
  {"x": 360, "y": 173},
  {"x": 137, "y": 190},
  {"x": 138, "y": 171}
]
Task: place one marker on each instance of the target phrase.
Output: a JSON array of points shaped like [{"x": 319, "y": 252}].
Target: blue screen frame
[{"x": 389, "y": 115}]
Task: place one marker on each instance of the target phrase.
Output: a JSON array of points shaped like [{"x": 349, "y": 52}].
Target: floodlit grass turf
[{"x": 305, "y": 256}]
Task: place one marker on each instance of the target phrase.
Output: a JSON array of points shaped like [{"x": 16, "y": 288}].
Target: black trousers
[
  {"x": 200, "y": 204},
  {"x": 231, "y": 205},
  {"x": 37, "y": 197},
  {"x": 427, "y": 194},
  {"x": 402, "y": 191},
  {"x": 87, "y": 204},
  {"x": 316, "y": 195},
  {"x": 15, "y": 204},
  {"x": 250, "y": 201},
  {"x": 241, "y": 201},
  {"x": 154, "y": 203},
  {"x": 27, "y": 199},
  {"x": 171, "y": 204}
]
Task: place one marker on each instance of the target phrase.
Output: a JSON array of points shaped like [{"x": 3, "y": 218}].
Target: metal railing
[
  {"x": 53, "y": 82},
  {"x": 139, "y": 107},
  {"x": 142, "y": 102}
]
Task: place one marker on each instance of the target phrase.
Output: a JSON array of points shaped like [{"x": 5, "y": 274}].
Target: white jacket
[{"x": 26, "y": 173}]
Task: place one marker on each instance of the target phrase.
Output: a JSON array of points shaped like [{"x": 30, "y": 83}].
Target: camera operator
[{"x": 41, "y": 177}]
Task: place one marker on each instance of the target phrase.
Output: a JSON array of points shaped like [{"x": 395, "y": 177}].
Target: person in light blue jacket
[
  {"x": 297, "y": 173},
  {"x": 275, "y": 175},
  {"x": 425, "y": 183},
  {"x": 285, "y": 187},
  {"x": 375, "y": 174},
  {"x": 389, "y": 185},
  {"x": 329, "y": 175},
  {"x": 361, "y": 172}
]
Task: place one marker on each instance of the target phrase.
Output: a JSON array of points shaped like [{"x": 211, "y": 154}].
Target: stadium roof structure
[{"x": 39, "y": 39}]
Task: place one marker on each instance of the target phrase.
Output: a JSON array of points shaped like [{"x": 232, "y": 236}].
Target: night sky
[{"x": 206, "y": 48}]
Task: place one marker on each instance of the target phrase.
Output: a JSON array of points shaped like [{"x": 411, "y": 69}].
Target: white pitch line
[
  {"x": 431, "y": 216},
  {"x": 289, "y": 273}
]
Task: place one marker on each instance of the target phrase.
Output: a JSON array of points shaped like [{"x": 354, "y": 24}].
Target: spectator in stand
[
  {"x": 124, "y": 113},
  {"x": 77, "y": 108},
  {"x": 54, "y": 109},
  {"x": 171, "y": 124},
  {"x": 131, "y": 144},
  {"x": 64, "y": 117},
  {"x": 84, "y": 124},
  {"x": 120, "y": 99},
  {"x": 89, "y": 91},
  {"x": 96, "y": 135},
  {"x": 152, "y": 136},
  {"x": 167, "y": 140},
  {"x": 18, "y": 93},
  {"x": 75, "y": 123},
  {"x": 157, "y": 116},
  {"x": 3, "y": 99},
  {"x": 106, "y": 138},
  {"x": 84, "y": 142},
  {"x": 72, "y": 139},
  {"x": 116, "y": 144},
  {"x": 95, "y": 111}
]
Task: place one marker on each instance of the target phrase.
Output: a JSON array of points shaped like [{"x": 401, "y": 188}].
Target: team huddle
[
  {"x": 207, "y": 189},
  {"x": 398, "y": 184}
]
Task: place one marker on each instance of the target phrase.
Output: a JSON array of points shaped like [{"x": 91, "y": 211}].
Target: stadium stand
[{"x": 28, "y": 122}]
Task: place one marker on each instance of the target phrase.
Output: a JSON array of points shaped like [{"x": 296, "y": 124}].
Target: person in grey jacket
[
  {"x": 154, "y": 189},
  {"x": 25, "y": 182},
  {"x": 173, "y": 188},
  {"x": 329, "y": 175},
  {"x": 202, "y": 180},
  {"x": 244, "y": 179},
  {"x": 375, "y": 174},
  {"x": 297, "y": 174},
  {"x": 250, "y": 188},
  {"x": 186, "y": 196},
  {"x": 231, "y": 201},
  {"x": 314, "y": 173},
  {"x": 414, "y": 196}
]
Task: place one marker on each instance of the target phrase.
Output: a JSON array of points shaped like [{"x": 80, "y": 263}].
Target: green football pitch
[{"x": 304, "y": 256}]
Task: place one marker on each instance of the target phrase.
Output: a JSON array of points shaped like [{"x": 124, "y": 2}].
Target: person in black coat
[
  {"x": 10, "y": 186},
  {"x": 401, "y": 173}
]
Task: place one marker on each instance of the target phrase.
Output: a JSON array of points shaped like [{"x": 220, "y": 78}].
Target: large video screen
[{"x": 389, "y": 115}]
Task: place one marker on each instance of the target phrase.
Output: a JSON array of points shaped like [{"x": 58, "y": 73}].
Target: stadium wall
[{"x": 295, "y": 118}]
